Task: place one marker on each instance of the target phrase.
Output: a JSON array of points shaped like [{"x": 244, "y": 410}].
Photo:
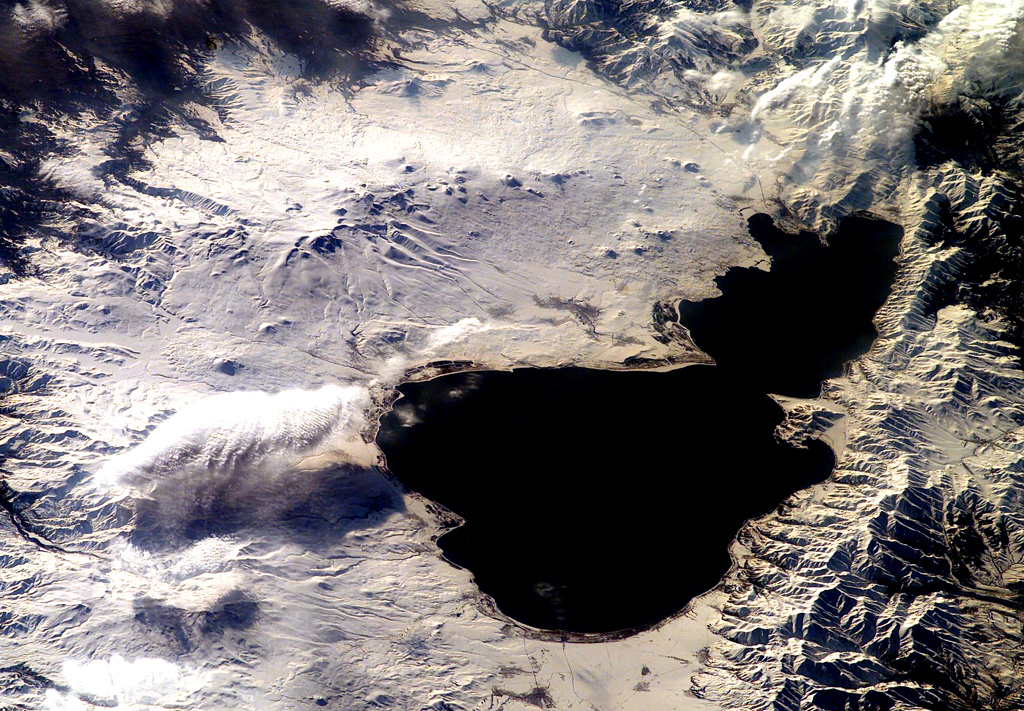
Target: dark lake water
[
  {"x": 786, "y": 330},
  {"x": 598, "y": 501},
  {"x": 594, "y": 500}
]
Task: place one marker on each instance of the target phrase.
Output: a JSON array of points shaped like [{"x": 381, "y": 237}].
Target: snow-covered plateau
[{"x": 229, "y": 228}]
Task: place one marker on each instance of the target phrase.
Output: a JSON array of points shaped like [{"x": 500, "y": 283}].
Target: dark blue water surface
[
  {"x": 599, "y": 501},
  {"x": 786, "y": 330}
]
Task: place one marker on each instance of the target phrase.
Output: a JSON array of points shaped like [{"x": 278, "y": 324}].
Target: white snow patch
[
  {"x": 457, "y": 331},
  {"x": 236, "y": 432},
  {"x": 704, "y": 40},
  {"x": 142, "y": 681},
  {"x": 209, "y": 555},
  {"x": 77, "y": 173},
  {"x": 847, "y": 122},
  {"x": 36, "y": 18}
]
